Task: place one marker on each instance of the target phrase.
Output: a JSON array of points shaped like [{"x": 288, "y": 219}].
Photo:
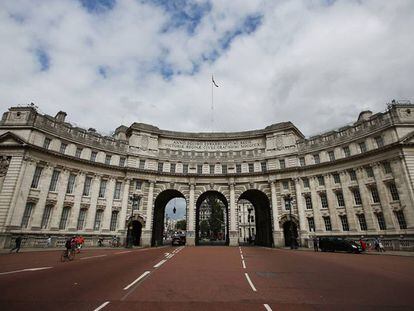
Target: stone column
[
  {"x": 124, "y": 207},
  {"x": 61, "y": 190},
  {"x": 332, "y": 205},
  {"x": 233, "y": 239},
  {"x": 77, "y": 197},
  {"x": 277, "y": 233},
  {"x": 317, "y": 217},
  {"x": 190, "y": 239},
  {"x": 147, "y": 233},
  {"x": 366, "y": 204},
  {"x": 44, "y": 184},
  {"x": 109, "y": 198},
  {"x": 301, "y": 212},
  {"x": 93, "y": 194}
]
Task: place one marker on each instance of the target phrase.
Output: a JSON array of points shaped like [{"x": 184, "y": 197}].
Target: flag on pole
[{"x": 214, "y": 82}]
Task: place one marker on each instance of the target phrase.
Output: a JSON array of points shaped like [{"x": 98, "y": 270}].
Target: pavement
[{"x": 205, "y": 278}]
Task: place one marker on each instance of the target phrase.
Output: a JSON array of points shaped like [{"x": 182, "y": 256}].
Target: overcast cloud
[{"x": 317, "y": 63}]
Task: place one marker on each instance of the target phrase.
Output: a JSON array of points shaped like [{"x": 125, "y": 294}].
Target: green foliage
[
  {"x": 204, "y": 228},
  {"x": 181, "y": 225},
  {"x": 216, "y": 219}
]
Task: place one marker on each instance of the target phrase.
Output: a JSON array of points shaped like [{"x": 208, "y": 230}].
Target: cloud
[{"x": 316, "y": 63}]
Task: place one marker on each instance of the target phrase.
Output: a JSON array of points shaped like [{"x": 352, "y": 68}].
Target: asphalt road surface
[{"x": 205, "y": 278}]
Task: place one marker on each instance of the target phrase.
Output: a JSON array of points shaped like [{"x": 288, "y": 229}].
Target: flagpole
[{"x": 212, "y": 105}]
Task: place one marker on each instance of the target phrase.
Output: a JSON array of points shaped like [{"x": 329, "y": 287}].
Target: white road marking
[
  {"x": 241, "y": 255},
  {"x": 267, "y": 307},
  {"x": 250, "y": 282},
  {"x": 101, "y": 306},
  {"x": 123, "y": 252},
  {"x": 170, "y": 256},
  {"x": 160, "y": 263},
  {"x": 25, "y": 270},
  {"x": 138, "y": 279},
  {"x": 93, "y": 257},
  {"x": 166, "y": 254},
  {"x": 244, "y": 265}
]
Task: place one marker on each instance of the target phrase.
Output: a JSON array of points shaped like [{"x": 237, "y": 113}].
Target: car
[
  {"x": 178, "y": 239},
  {"x": 333, "y": 244}
]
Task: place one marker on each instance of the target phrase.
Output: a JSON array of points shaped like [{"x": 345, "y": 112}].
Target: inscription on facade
[{"x": 212, "y": 145}]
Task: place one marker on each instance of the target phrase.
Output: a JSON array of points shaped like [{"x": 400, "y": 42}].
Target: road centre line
[
  {"x": 250, "y": 282},
  {"x": 267, "y": 307},
  {"x": 241, "y": 255},
  {"x": 138, "y": 279},
  {"x": 93, "y": 257},
  {"x": 244, "y": 265},
  {"x": 170, "y": 256},
  {"x": 26, "y": 270},
  {"x": 101, "y": 306},
  {"x": 160, "y": 263},
  {"x": 124, "y": 252}
]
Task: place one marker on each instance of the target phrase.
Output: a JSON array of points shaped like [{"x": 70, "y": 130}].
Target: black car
[
  {"x": 178, "y": 239},
  {"x": 333, "y": 244}
]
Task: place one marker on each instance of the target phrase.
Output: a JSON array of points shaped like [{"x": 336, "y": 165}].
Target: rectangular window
[
  {"x": 238, "y": 168},
  {"x": 311, "y": 224},
  {"x": 344, "y": 222},
  {"x": 87, "y": 185},
  {"x": 324, "y": 200},
  {"x": 347, "y": 151},
  {"x": 160, "y": 166},
  {"x": 316, "y": 159},
  {"x": 142, "y": 165},
  {"x": 46, "y": 143},
  {"x": 369, "y": 171},
  {"x": 108, "y": 158},
  {"x": 63, "y": 147},
  {"x": 114, "y": 221},
  {"x": 327, "y": 221},
  {"x": 337, "y": 178},
  {"x": 331, "y": 156},
  {"x": 340, "y": 199},
  {"x": 357, "y": 196},
  {"x": 64, "y": 218},
  {"x": 122, "y": 161},
  {"x": 285, "y": 184},
  {"x": 53, "y": 182},
  {"x": 308, "y": 201},
  {"x": 352, "y": 175},
  {"x": 362, "y": 147},
  {"x": 199, "y": 168},
  {"x": 375, "y": 195},
  {"x": 401, "y": 219},
  {"x": 211, "y": 168},
  {"x": 102, "y": 188},
  {"x": 321, "y": 180},
  {"x": 305, "y": 182},
  {"x": 264, "y": 166},
  {"x": 46, "y": 216},
  {"x": 362, "y": 222},
  {"x": 224, "y": 169},
  {"x": 81, "y": 218},
  {"x": 381, "y": 221},
  {"x": 172, "y": 168},
  {"x": 251, "y": 168},
  {"x": 78, "y": 152},
  {"x": 26, "y": 215},
  {"x": 71, "y": 183},
  {"x": 282, "y": 163},
  {"x": 93, "y": 155},
  {"x": 393, "y": 191},
  {"x": 379, "y": 141},
  {"x": 302, "y": 161},
  {"x": 117, "y": 193},
  {"x": 185, "y": 168},
  {"x": 138, "y": 184},
  {"x": 387, "y": 167},
  {"x": 36, "y": 177},
  {"x": 98, "y": 218}
]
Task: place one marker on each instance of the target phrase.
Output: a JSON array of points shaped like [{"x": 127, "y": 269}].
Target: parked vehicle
[
  {"x": 178, "y": 239},
  {"x": 333, "y": 244}
]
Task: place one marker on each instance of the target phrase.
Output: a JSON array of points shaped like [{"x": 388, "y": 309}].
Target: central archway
[
  {"x": 207, "y": 206},
  {"x": 158, "y": 225}
]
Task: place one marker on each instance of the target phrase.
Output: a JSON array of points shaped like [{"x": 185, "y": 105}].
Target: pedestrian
[
  {"x": 100, "y": 242},
  {"x": 376, "y": 244},
  {"x": 363, "y": 244},
  {"x": 316, "y": 244},
  {"x": 18, "y": 243},
  {"x": 49, "y": 241},
  {"x": 381, "y": 246}
]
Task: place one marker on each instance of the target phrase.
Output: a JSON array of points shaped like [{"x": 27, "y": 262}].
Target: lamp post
[
  {"x": 249, "y": 210},
  {"x": 288, "y": 202},
  {"x": 134, "y": 199}
]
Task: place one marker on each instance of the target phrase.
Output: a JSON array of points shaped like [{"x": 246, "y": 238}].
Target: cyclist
[{"x": 68, "y": 245}]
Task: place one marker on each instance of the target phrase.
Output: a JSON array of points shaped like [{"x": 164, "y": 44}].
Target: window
[
  {"x": 87, "y": 185},
  {"x": 81, "y": 218},
  {"x": 331, "y": 155},
  {"x": 264, "y": 166},
  {"x": 362, "y": 147},
  {"x": 46, "y": 143},
  {"x": 46, "y": 217},
  {"x": 357, "y": 196},
  {"x": 321, "y": 180},
  {"x": 347, "y": 151},
  {"x": 238, "y": 168},
  {"x": 344, "y": 222},
  {"x": 53, "y": 182},
  {"x": 160, "y": 166},
  {"x": 172, "y": 168},
  {"x": 63, "y": 147},
  {"x": 78, "y": 152},
  {"x": 102, "y": 188},
  {"x": 393, "y": 191},
  {"x": 26, "y": 215},
  {"x": 387, "y": 167},
  {"x": 36, "y": 177},
  {"x": 98, "y": 218},
  {"x": 327, "y": 221},
  {"x": 138, "y": 184},
  {"x": 199, "y": 168},
  {"x": 93, "y": 155},
  {"x": 251, "y": 168},
  {"x": 114, "y": 221},
  {"x": 122, "y": 161},
  {"x": 379, "y": 141},
  {"x": 142, "y": 165},
  {"x": 381, "y": 221},
  {"x": 185, "y": 168},
  {"x": 282, "y": 164},
  {"x": 316, "y": 159},
  {"x": 211, "y": 168},
  {"x": 324, "y": 200},
  {"x": 305, "y": 182},
  {"x": 285, "y": 184},
  {"x": 352, "y": 175},
  {"x": 362, "y": 222},
  {"x": 308, "y": 201},
  {"x": 337, "y": 178},
  {"x": 71, "y": 183},
  {"x": 117, "y": 193},
  {"x": 108, "y": 158},
  {"x": 340, "y": 199},
  {"x": 375, "y": 195},
  {"x": 64, "y": 218},
  {"x": 224, "y": 169},
  {"x": 369, "y": 171},
  {"x": 311, "y": 224},
  {"x": 401, "y": 219},
  {"x": 302, "y": 161}
]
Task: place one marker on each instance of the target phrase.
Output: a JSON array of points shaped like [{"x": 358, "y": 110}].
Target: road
[{"x": 205, "y": 278}]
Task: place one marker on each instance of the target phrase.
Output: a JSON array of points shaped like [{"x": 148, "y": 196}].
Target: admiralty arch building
[{"x": 59, "y": 180}]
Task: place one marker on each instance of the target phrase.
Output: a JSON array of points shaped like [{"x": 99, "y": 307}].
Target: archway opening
[
  {"x": 254, "y": 219},
  {"x": 212, "y": 219},
  {"x": 134, "y": 233},
  {"x": 169, "y": 217},
  {"x": 290, "y": 233}
]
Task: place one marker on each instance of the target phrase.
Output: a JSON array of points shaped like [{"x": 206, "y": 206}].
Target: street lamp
[
  {"x": 288, "y": 204},
  {"x": 249, "y": 210},
  {"x": 134, "y": 199}
]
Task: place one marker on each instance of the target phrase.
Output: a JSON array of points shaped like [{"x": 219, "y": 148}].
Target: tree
[
  {"x": 204, "y": 228},
  {"x": 216, "y": 219},
  {"x": 181, "y": 225}
]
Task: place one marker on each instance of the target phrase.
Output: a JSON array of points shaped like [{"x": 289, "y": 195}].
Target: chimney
[{"x": 60, "y": 116}]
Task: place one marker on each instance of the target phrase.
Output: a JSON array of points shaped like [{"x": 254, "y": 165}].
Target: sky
[{"x": 316, "y": 63}]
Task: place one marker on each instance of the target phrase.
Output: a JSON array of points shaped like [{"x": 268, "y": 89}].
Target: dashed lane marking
[
  {"x": 160, "y": 263},
  {"x": 138, "y": 279},
  {"x": 241, "y": 256},
  {"x": 250, "y": 282},
  {"x": 170, "y": 256},
  {"x": 267, "y": 307},
  {"x": 124, "y": 252},
  {"x": 102, "y": 306},
  {"x": 244, "y": 264},
  {"x": 25, "y": 270},
  {"x": 97, "y": 256}
]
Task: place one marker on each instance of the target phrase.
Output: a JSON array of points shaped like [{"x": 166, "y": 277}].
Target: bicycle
[{"x": 67, "y": 255}]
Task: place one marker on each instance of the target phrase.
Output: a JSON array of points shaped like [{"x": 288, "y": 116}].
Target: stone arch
[
  {"x": 290, "y": 225},
  {"x": 159, "y": 209}
]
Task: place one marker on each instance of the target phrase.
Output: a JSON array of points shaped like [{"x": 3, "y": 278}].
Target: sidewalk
[
  {"x": 38, "y": 249},
  {"x": 389, "y": 253}
]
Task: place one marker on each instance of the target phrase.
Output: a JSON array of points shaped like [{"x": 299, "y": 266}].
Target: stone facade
[{"x": 57, "y": 179}]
